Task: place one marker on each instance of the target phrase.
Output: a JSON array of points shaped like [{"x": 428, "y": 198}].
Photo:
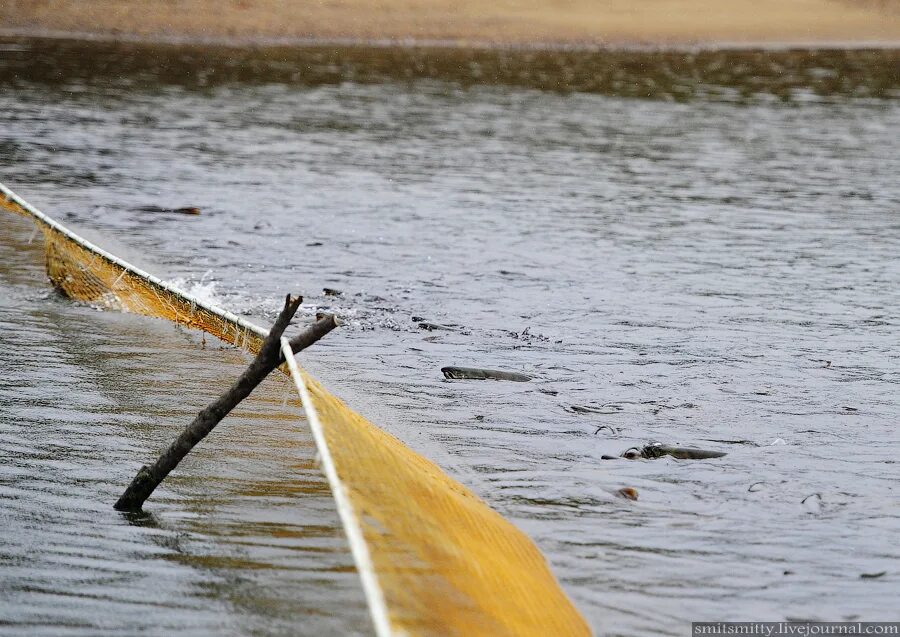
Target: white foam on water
[{"x": 203, "y": 289}]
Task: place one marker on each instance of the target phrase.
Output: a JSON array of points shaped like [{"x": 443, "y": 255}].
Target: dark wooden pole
[{"x": 269, "y": 357}]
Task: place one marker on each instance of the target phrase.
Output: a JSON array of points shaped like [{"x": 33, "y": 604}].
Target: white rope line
[
  {"x": 97, "y": 251},
  {"x": 352, "y": 527}
]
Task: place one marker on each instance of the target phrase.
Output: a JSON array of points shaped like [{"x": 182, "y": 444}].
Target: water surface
[{"x": 719, "y": 273}]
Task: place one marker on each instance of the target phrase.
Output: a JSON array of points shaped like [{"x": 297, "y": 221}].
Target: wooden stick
[{"x": 269, "y": 357}]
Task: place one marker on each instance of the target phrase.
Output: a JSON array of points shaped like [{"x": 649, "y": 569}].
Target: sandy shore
[{"x": 564, "y": 22}]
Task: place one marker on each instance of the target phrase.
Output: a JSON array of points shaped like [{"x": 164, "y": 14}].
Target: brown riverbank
[{"x": 564, "y": 22}]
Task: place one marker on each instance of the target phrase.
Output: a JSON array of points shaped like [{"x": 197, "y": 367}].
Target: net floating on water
[{"x": 434, "y": 559}]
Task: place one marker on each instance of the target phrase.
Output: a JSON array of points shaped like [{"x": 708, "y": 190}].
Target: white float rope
[{"x": 349, "y": 519}]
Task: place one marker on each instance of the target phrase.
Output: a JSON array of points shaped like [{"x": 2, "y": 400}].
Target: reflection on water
[
  {"x": 708, "y": 274},
  {"x": 725, "y": 74}
]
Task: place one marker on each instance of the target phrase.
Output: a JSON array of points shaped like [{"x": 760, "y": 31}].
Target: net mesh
[
  {"x": 84, "y": 273},
  {"x": 444, "y": 562}
]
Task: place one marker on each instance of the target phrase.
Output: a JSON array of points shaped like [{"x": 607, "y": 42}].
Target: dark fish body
[
  {"x": 187, "y": 210},
  {"x": 424, "y": 325},
  {"x": 658, "y": 450},
  {"x": 474, "y": 373},
  {"x": 681, "y": 453},
  {"x": 686, "y": 453}
]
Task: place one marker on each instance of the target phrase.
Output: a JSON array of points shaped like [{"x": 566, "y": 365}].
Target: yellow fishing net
[
  {"x": 86, "y": 273},
  {"x": 445, "y": 562},
  {"x": 434, "y": 558}
]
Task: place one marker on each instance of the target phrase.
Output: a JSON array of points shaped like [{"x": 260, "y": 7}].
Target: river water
[{"x": 718, "y": 272}]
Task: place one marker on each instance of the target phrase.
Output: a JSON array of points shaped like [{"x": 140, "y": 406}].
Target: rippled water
[{"x": 706, "y": 273}]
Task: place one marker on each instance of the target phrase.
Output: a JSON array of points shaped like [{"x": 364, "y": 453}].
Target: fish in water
[
  {"x": 473, "y": 373},
  {"x": 434, "y": 326},
  {"x": 187, "y": 210},
  {"x": 658, "y": 450}
]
